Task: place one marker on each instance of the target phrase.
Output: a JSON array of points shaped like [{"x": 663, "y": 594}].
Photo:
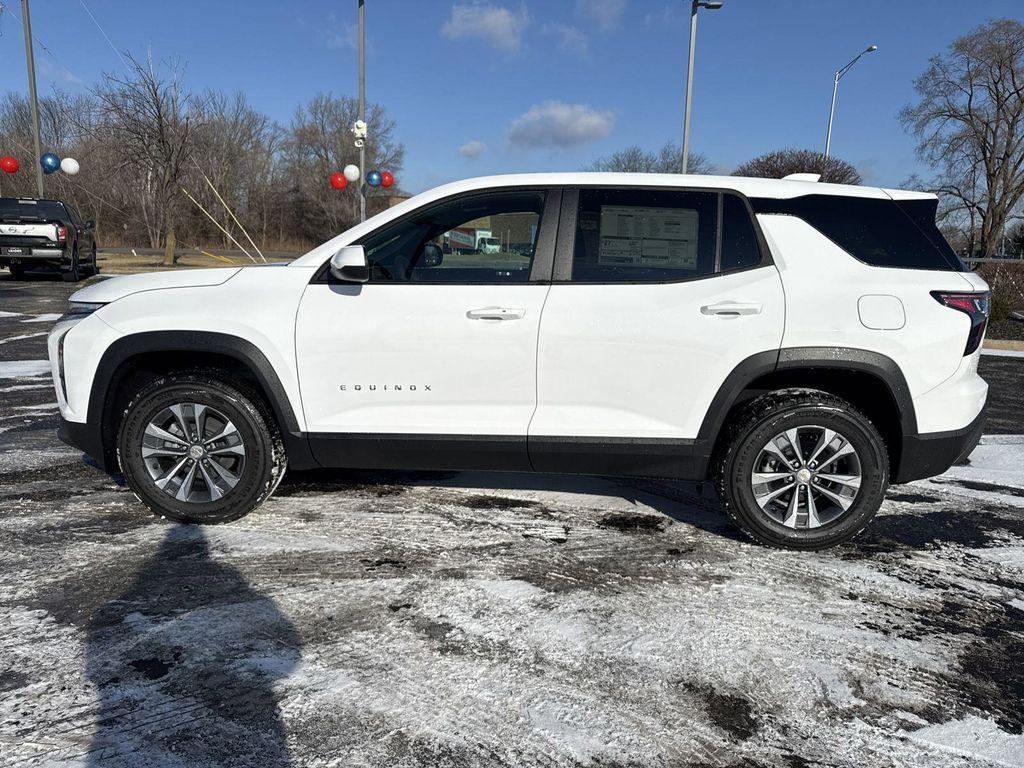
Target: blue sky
[{"x": 521, "y": 85}]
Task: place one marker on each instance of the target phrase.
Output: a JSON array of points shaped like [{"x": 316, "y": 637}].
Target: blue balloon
[
  {"x": 373, "y": 178},
  {"x": 50, "y": 162}
]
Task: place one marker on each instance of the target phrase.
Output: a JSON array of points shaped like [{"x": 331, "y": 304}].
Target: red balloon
[
  {"x": 386, "y": 179},
  {"x": 9, "y": 164},
  {"x": 338, "y": 180}
]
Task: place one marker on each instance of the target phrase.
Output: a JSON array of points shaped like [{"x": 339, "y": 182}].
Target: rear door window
[
  {"x": 883, "y": 233},
  {"x": 655, "y": 236}
]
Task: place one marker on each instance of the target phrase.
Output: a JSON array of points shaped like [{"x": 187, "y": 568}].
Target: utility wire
[
  {"x": 35, "y": 39},
  {"x": 103, "y": 32}
]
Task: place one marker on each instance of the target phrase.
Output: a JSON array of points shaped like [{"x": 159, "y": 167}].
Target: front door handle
[
  {"x": 731, "y": 309},
  {"x": 496, "y": 313}
]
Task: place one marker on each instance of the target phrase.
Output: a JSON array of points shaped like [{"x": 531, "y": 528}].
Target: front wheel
[
  {"x": 196, "y": 449},
  {"x": 801, "y": 469}
]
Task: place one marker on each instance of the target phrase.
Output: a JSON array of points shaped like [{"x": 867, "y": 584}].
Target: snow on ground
[
  {"x": 49, "y": 317},
  {"x": 17, "y": 369},
  {"x": 475, "y": 619}
]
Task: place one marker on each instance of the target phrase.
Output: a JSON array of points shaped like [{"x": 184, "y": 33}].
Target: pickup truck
[{"x": 46, "y": 234}]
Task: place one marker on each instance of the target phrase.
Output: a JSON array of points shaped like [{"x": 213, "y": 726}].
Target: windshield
[{"x": 12, "y": 209}]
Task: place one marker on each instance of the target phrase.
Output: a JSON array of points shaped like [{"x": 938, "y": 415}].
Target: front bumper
[
  {"x": 932, "y": 453},
  {"x": 87, "y": 438}
]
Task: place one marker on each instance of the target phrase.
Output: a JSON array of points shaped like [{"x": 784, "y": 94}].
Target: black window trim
[
  {"x": 566, "y": 244},
  {"x": 544, "y": 250}
]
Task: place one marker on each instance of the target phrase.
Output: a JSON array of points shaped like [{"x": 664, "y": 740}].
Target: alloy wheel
[
  {"x": 806, "y": 477},
  {"x": 193, "y": 452}
]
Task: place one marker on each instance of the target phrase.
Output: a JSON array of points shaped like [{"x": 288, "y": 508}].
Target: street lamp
[
  {"x": 835, "y": 88},
  {"x": 711, "y": 5}
]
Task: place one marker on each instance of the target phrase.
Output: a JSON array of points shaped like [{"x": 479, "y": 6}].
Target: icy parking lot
[{"x": 488, "y": 620}]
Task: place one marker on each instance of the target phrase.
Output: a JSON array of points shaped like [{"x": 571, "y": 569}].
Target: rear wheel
[
  {"x": 801, "y": 469},
  {"x": 196, "y": 449},
  {"x": 74, "y": 274}
]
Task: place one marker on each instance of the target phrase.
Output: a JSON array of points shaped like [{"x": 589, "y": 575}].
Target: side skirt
[{"x": 631, "y": 457}]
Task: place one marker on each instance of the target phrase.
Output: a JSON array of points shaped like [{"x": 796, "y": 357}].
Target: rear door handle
[
  {"x": 731, "y": 309},
  {"x": 496, "y": 313}
]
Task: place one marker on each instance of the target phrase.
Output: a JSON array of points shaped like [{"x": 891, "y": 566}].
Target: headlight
[{"x": 78, "y": 310}]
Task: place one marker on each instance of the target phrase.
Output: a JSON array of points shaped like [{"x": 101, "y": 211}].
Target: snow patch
[
  {"x": 510, "y": 589},
  {"x": 23, "y": 336},
  {"x": 48, "y": 318},
  {"x": 10, "y": 314},
  {"x": 976, "y": 738},
  {"x": 1008, "y": 557},
  {"x": 16, "y": 369}
]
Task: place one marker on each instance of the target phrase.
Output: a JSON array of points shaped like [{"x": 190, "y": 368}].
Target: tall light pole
[
  {"x": 362, "y": 112},
  {"x": 30, "y": 65},
  {"x": 835, "y": 88},
  {"x": 711, "y": 5}
]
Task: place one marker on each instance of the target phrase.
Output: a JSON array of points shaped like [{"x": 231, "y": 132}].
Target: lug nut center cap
[
  {"x": 804, "y": 475},
  {"x": 196, "y": 452}
]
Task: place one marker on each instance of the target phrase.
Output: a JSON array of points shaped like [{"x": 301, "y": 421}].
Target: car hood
[{"x": 116, "y": 288}]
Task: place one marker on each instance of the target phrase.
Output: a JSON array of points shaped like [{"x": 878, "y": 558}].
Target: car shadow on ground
[
  {"x": 184, "y": 661},
  {"x": 692, "y": 503}
]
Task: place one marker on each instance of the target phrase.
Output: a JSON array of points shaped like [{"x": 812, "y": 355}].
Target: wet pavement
[{"x": 471, "y": 619}]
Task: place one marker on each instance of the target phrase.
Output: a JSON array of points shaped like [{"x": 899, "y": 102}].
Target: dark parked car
[{"x": 46, "y": 234}]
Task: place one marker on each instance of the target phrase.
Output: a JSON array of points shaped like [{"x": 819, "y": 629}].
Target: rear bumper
[
  {"x": 34, "y": 254},
  {"x": 932, "y": 453}
]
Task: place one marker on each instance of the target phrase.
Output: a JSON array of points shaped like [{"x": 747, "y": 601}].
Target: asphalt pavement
[{"x": 471, "y": 619}]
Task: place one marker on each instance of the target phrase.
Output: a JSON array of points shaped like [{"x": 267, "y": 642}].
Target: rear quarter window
[{"x": 883, "y": 233}]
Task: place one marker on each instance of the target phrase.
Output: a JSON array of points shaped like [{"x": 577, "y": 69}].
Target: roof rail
[{"x": 802, "y": 177}]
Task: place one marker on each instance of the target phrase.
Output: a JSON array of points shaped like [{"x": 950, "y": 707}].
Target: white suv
[{"x": 801, "y": 344}]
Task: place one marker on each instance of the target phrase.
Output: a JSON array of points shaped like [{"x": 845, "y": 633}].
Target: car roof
[
  {"x": 32, "y": 200},
  {"x": 750, "y": 187}
]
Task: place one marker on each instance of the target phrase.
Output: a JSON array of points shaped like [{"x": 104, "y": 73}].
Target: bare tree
[
  {"x": 141, "y": 138},
  {"x": 320, "y": 141},
  {"x": 782, "y": 162},
  {"x": 152, "y": 119},
  {"x": 970, "y": 128},
  {"x": 668, "y": 159}
]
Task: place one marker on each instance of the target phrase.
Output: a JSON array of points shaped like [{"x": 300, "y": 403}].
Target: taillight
[
  {"x": 975, "y": 306},
  {"x": 62, "y": 234}
]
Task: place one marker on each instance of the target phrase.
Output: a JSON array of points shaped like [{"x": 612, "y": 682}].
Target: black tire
[
  {"x": 264, "y": 462},
  {"x": 17, "y": 273},
  {"x": 771, "y": 414},
  {"x": 94, "y": 266},
  {"x": 74, "y": 274}
]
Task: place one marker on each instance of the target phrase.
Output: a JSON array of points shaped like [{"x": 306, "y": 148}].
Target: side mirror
[
  {"x": 432, "y": 255},
  {"x": 349, "y": 264},
  {"x": 90, "y": 224}
]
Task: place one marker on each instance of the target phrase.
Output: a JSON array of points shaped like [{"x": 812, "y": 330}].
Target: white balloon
[
  {"x": 70, "y": 166},
  {"x": 351, "y": 172}
]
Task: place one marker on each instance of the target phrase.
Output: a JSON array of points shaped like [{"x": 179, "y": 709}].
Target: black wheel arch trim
[
  {"x": 750, "y": 369},
  {"x": 234, "y": 347}
]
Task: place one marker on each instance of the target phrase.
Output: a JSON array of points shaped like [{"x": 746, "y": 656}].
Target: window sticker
[{"x": 648, "y": 237}]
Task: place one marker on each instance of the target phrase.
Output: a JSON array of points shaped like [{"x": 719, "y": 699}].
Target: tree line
[{"x": 143, "y": 140}]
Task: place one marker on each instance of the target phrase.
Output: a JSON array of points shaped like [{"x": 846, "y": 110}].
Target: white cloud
[
  {"x": 556, "y": 124},
  {"x": 605, "y": 13},
  {"x": 348, "y": 37},
  {"x": 570, "y": 38},
  {"x": 494, "y": 24},
  {"x": 472, "y": 149},
  {"x": 57, "y": 72}
]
